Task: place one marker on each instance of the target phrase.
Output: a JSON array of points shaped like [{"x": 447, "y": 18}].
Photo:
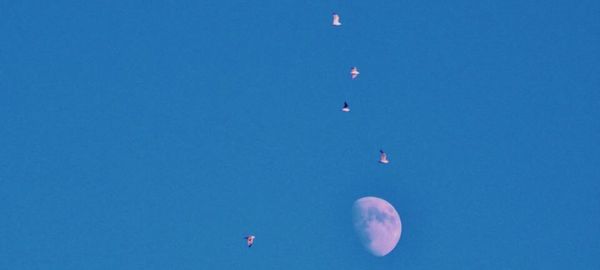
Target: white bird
[
  {"x": 346, "y": 108},
  {"x": 249, "y": 240},
  {"x": 383, "y": 157},
  {"x": 336, "y": 20},
  {"x": 354, "y": 72}
]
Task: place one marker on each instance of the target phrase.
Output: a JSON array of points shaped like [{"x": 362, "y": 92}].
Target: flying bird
[
  {"x": 354, "y": 72},
  {"x": 336, "y": 20},
  {"x": 346, "y": 108},
  {"x": 249, "y": 240},
  {"x": 383, "y": 157}
]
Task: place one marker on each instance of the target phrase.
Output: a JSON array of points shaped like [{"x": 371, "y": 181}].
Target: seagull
[
  {"x": 249, "y": 240},
  {"x": 383, "y": 157},
  {"x": 346, "y": 107},
  {"x": 336, "y": 20},
  {"x": 354, "y": 72}
]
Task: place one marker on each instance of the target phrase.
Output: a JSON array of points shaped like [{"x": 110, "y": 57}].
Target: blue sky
[{"x": 144, "y": 135}]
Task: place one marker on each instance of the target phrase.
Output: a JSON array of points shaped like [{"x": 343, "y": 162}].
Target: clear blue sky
[{"x": 143, "y": 135}]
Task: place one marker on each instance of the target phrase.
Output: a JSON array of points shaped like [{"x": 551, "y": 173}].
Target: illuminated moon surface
[{"x": 377, "y": 224}]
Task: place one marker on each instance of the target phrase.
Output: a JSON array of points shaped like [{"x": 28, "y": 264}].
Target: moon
[{"x": 377, "y": 224}]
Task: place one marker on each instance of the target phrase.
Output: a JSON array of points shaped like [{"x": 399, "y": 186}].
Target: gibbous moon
[{"x": 377, "y": 224}]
